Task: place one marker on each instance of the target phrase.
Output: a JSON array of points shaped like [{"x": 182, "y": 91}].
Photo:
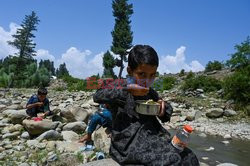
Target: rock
[
  {"x": 225, "y": 142},
  {"x": 13, "y": 135},
  {"x": 15, "y": 107},
  {"x": 209, "y": 149},
  {"x": 75, "y": 114},
  {"x": 85, "y": 105},
  {"x": 200, "y": 90},
  {"x": 68, "y": 146},
  {"x": 108, "y": 162},
  {"x": 51, "y": 145},
  {"x": 24, "y": 164},
  {"x": 203, "y": 135},
  {"x": 25, "y": 135},
  {"x": 197, "y": 115},
  {"x": 38, "y": 127},
  {"x": 70, "y": 136},
  {"x": 16, "y": 116},
  {"x": 101, "y": 140},
  {"x": 227, "y": 136},
  {"x": 52, "y": 157},
  {"x": 226, "y": 164},
  {"x": 32, "y": 143},
  {"x": 1, "y": 149},
  {"x": 214, "y": 113},
  {"x": 229, "y": 113},
  {"x": 78, "y": 127},
  {"x": 2, "y": 107},
  {"x": 49, "y": 135}
]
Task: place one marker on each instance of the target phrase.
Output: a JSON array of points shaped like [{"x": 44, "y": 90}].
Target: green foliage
[
  {"x": 5, "y": 79},
  {"x": 215, "y": 65},
  {"x": 206, "y": 83},
  {"x": 23, "y": 42},
  {"x": 182, "y": 73},
  {"x": 190, "y": 75},
  {"x": 23, "y": 37},
  {"x": 164, "y": 83},
  {"x": 122, "y": 34},
  {"x": 75, "y": 84},
  {"x": 108, "y": 64},
  {"x": 62, "y": 71},
  {"x": 241, "y": 58},
  {"x": 237, "y": 86},
  {"x": 48, "y": 65}
]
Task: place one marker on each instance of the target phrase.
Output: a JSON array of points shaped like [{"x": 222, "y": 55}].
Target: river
[{"x": 236, "y": 152}]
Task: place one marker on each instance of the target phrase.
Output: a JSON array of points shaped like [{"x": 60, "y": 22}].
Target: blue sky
[{"x": 186, "y": 34}]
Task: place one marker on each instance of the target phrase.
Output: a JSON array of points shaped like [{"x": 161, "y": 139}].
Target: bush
[
  {"x": 164, "y": 83},
  {"x": 206, "y": 83},
  {"x": 216, "y": 65},
  {"x": 237, "y": 86},
  {"x": 75, "y": 84},
  {"x": 182, "y": 73}
]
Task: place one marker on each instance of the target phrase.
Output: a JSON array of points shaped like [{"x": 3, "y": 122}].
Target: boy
[
  {"x": 102, "y": 118},
  {"x": 38, "y": 104},
  {"x": 138, "y": 139}
]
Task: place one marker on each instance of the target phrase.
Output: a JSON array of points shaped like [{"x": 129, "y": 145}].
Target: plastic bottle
[{"x": 181, "y": 138}]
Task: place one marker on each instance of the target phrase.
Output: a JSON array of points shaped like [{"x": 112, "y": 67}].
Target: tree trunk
[{"x": 121, "y": 68}]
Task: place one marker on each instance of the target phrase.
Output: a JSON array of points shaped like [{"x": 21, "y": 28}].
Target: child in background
[
  {"x": 139, "y": 139},
  {"x": 102, "y": 117},
  {"x": 39, "y": 104}
]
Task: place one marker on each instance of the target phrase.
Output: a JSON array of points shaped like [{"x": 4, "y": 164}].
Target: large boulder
[
  {"x": 214, "y": 113},
  {"x": 39, "y": 127},
  {"x": 229, "y": 113},
  {"x": 70, "y": 136},
  {"x": 50, "y": 135},
  {"x": 78, "y": 127},
  {"x": 101, "y": 140},
  {"x": 109, "y": 162},
  {"x": 73, "y": 114},
  {"x": 16, "y": 116}
]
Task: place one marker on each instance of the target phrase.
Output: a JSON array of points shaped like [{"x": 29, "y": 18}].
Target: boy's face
[
  {"x": 144, "y": 74},
  {"x": 41, "y": 97}
]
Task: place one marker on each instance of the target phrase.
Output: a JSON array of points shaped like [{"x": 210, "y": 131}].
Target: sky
[{"x": 185, "y": 33}]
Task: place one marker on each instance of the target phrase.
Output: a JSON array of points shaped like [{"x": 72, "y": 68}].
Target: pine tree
[
  {"x": 62, "y": 71},
  {"x": 108, "y": 64},
  {"x": 24, "y": 44},
  {"x": 122, "y": 34}
]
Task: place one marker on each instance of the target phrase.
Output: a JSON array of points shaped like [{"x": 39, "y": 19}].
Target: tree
[
  {"x": 48, "y": 65},
  {"x": 122, "y": 34},
  {"x": 215, "y": 65},
  {"x": 62, "y": 71},
  {"x": 108, "y": 64},
  {"x": 241, "y": 58},
  {"x": 23, "y": 42}
]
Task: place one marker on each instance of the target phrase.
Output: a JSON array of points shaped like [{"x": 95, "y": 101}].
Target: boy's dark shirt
[
  {"x": 44, "y": 108},
  {"x": 136, "y": 138}
]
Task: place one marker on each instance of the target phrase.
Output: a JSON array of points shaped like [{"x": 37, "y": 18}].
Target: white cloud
[
  {"x": 173, "y": 64},
  {"x": 78, "y": 64},
  {"x": 43, "y": 54},
  {"x": 5, "y": 36}
]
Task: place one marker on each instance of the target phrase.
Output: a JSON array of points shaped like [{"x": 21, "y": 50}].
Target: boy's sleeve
[
  {"x": 30, "y": 101},
  {"x": 110, "y": 93},
  {"x": 168, "y": 113}
]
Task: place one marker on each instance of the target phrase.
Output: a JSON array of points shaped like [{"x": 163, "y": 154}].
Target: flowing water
[{"x": 236, "y": 152}]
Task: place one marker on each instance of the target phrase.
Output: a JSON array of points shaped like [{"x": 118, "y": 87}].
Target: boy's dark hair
[
  {"x": 142, "y": 54},
  {"x": 42, "y": 91}
]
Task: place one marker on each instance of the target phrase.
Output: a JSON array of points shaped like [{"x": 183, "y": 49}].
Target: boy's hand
[
  {"x": 137, "y": 90},
  {"x": 39, "y": 104},
  {"x": 162, "y": 108}
]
